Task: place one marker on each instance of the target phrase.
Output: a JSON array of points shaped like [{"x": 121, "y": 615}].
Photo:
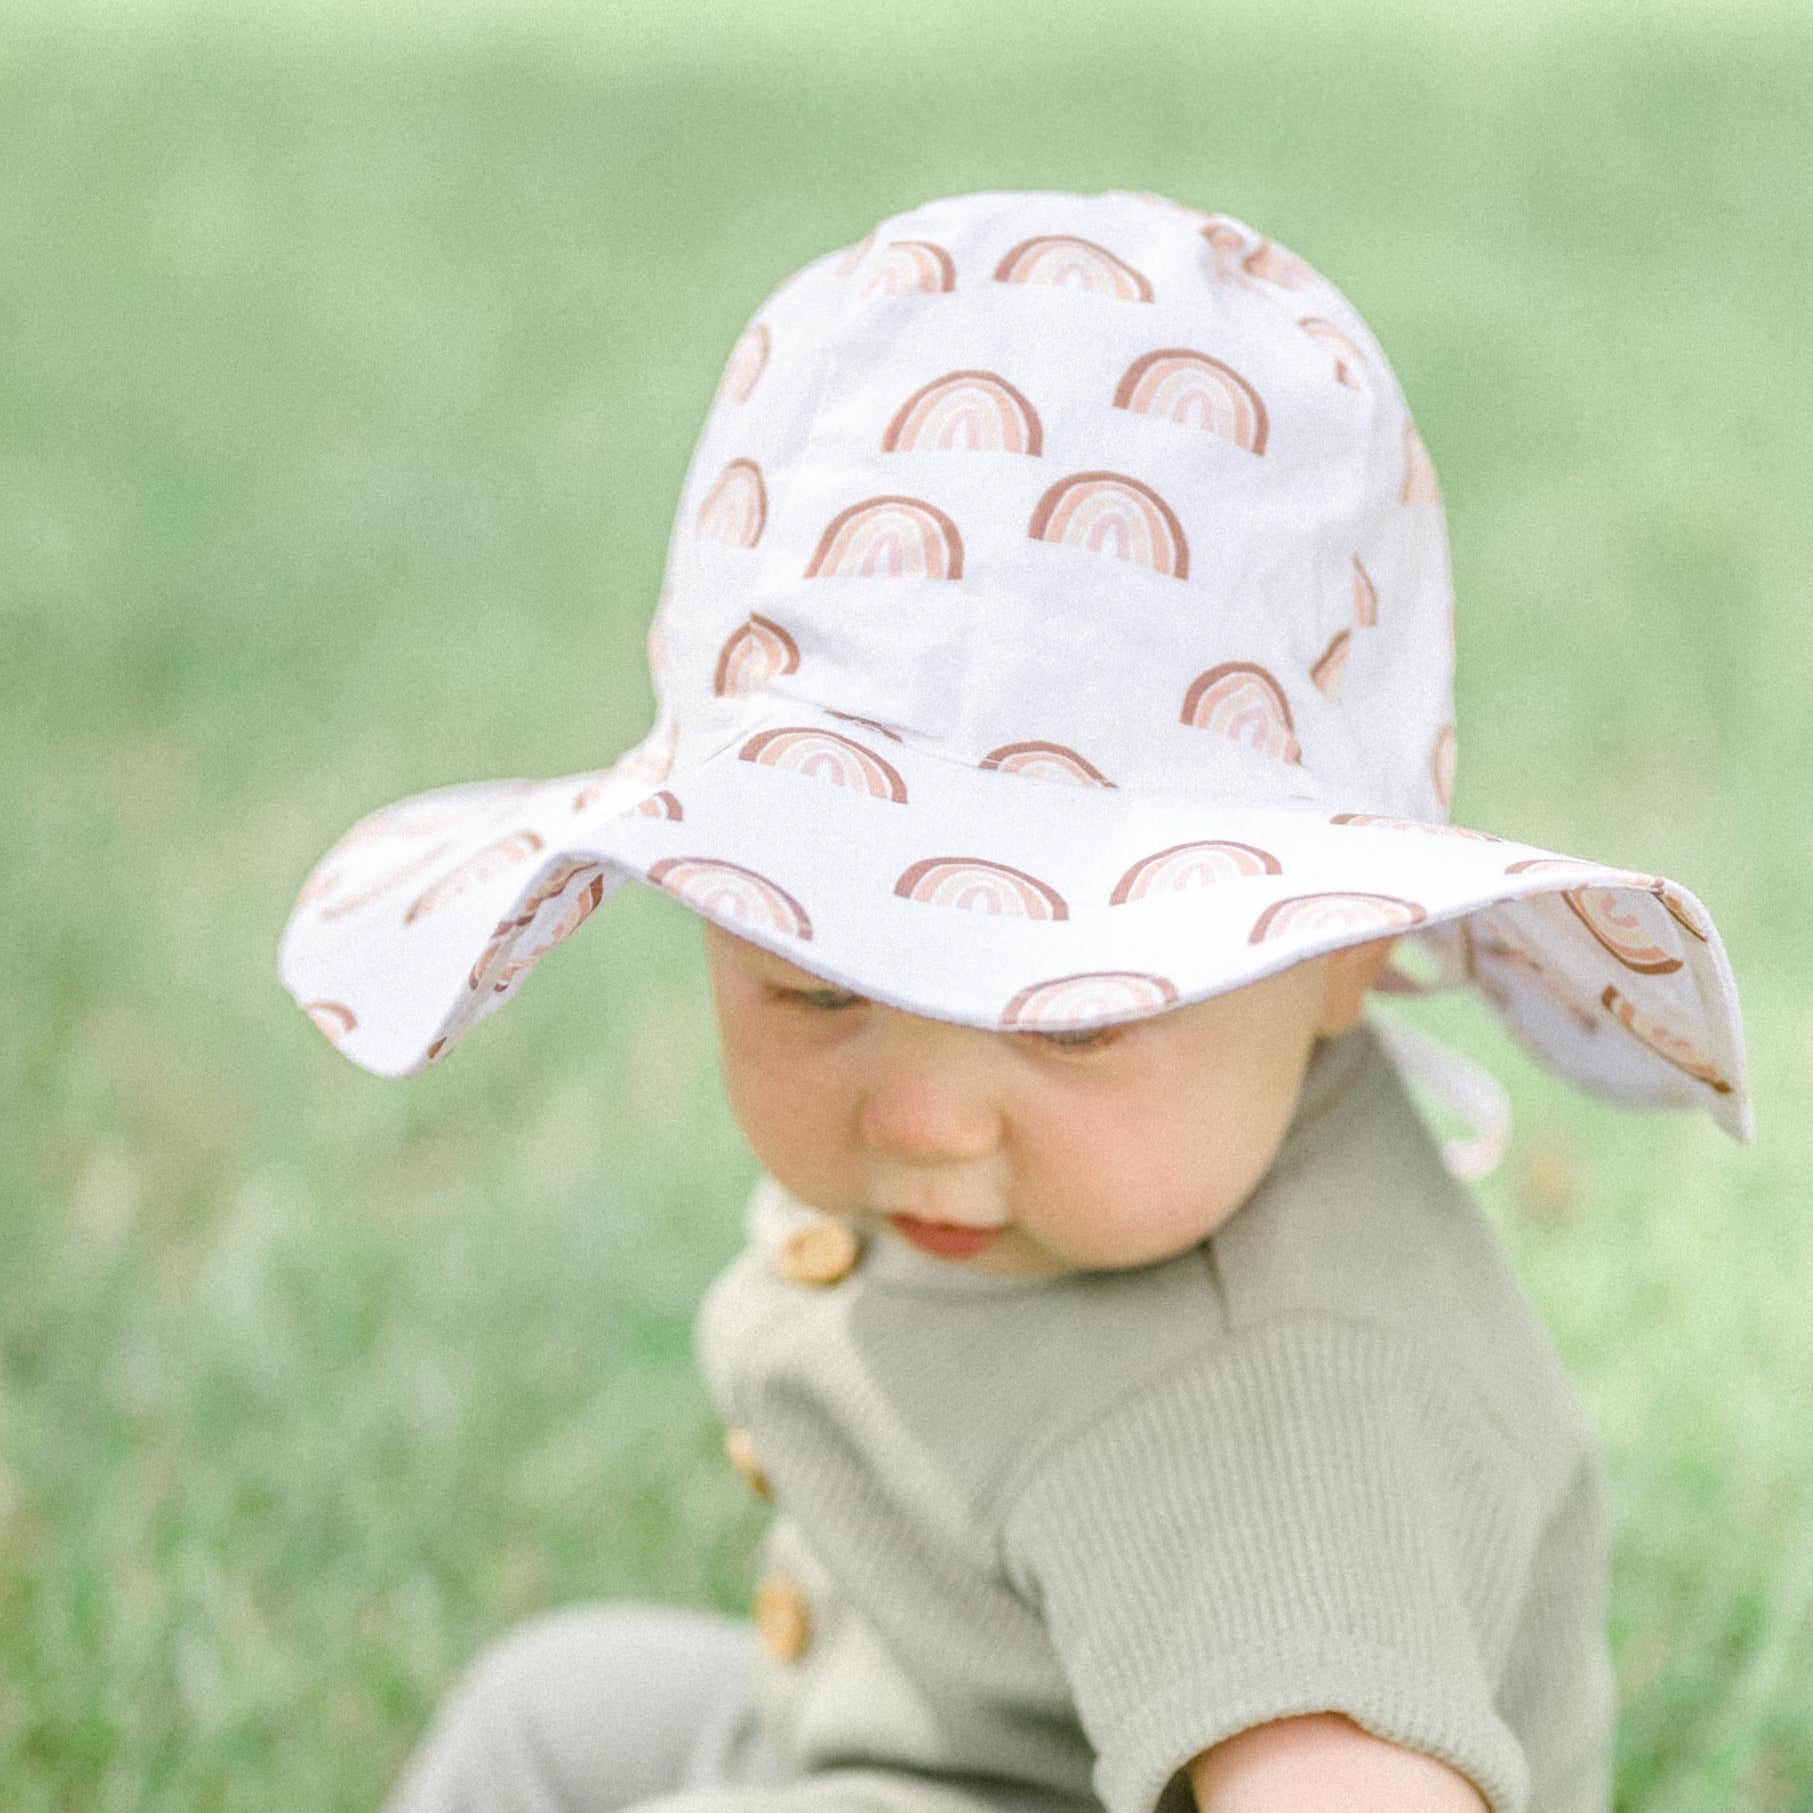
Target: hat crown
[{"x": 1095, "y": 488}]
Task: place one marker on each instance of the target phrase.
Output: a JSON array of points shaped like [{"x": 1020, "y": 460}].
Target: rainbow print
[
  {"x": 1087, "y": 1000},
  {"x": 1272, "y": 263},
  {"x": 1045, "y": 762},
  {"x": 1419, "y": 485},
  {"x": 391, "y": 878},
  {"x": 889, "y": 538},
  {"x": 1200, "y": 864},
  {"x": 491, "y": 861},
  {"x": 1684, "y": 915},
  {"x": 1433, "y": 826},
  {"x": 1671, "y": 1046},
  {"x": 910, "y": 265},
  {"x": 1239, "y": 699},
  {"x": 826, "y": 756},
  {"x": 1227, "y": 244},
  {"x": 1349, "y": 361},
  {"x": 975, "y": 411},
  {"x": 979, "y": 886},
  {"x": 1331, "y": 664},
  {"x": 753, "y": 655},
  {"x": 575, "y": 890},
  {"x": 1307, "y": 917},
  {"x": 850, "y": 717},
  {"x": 1632, "y": 926},
  {"x": 748, "y": 360},
  {"x": 727, "y": 891},
  {"x": 333, "y": 1018},
  {"x": 1365, "y": 597},
  {"x": 1063, "y": 262},
  {"x": 1109, "y": 513},
  {"x": 1441, "y": 765},
  {"x": 1177, "y": 385},
  {"x": 662, "y": 805},
  {"x": 736, "y": 507}
]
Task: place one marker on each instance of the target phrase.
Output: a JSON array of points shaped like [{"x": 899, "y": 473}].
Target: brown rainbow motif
[
  {"x": 753, "y": 655},
  {"x": 910, "y": 265},
  {"x": 1045, "y": 762},
  {"x": 889, "y": 538},
  {"x": 1109, "y": 513},
  {"x": 1272, "y": 263},
  {"x": 973, "y": 411},
  {"x": 1365, "y": 597},
  {"x": 979, "y": 886},
  {"x": 334, "y": 1019},
  {"x": 1349, "y": 361},
  {"x": 1088, "y": 999},
  {"x": 1061, "y": 261},
  {"x": 1192, "y": 865},
  {"x": 1441, "y": 765},
  {"x": 1189, "y": 388},
  {"x": 1634, "y": 927},
  {"x": 662, "y": 805},
  {"x": 1420, "y": 486},
  {"x": 850, "y": 717},
  {"x": 736, "y": 507},
  {"x": 826, "y": 756},
  {"x": 1239, "y": 699},
  {"x": 1683, "y": 915},
  {"x": 573, "y": 892},
  {"x": 726, "y": 890},
  {"x": 1331, "y": 664},
  {"x": 748, "y": 360},
  {"x": 1434, "y": 827},
  {"x": 1681, "y": 1052},
  {"x": 1228, "y": 245},
  {"x": 1312, "y": 916},
  {"x": 391, "y": 878},
  {"x": 491, "y": 861}
]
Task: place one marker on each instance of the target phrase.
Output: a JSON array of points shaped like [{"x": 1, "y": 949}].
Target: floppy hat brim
[{"x": 1036, "y": 903}]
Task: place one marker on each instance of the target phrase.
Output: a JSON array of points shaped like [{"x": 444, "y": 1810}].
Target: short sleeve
[{"x": 1302, "y": 1520}]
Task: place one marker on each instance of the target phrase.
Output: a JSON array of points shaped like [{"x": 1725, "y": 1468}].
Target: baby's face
[{"x": 1022, "y": 1153}]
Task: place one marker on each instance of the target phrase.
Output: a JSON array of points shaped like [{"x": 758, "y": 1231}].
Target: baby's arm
[{"x": 1325, "y": 1764}]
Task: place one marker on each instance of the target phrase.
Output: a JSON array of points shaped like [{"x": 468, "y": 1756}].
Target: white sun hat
[{"x": 1057, "y": 629}]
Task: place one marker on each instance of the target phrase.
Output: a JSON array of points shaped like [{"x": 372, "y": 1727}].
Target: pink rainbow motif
[
  {"x": 333, "y": 1018},
  {"x": 574, "y": 890},
  {"x": 753, "y": 655},
  {"x": 1435, "y": 827},
  {"x": 1228, "y": 245},
  {"x": 850, "y": 717},
  {"x": 1239, "y": 699},
  {"x": 979, "y": 886},
  {"x": 661, "y": 805},
  {"x": 910, "y": 265},
  {"x": 1420, "y": 486},
  {"x": 1683, "y": 914},
  {"x": 889, "y": 538},
  {"x": 1061, "y": 261},
  {"x": 975, "y": 411},
  {"x": 1441, "y": 765},
  {"x": 391, "y": 878},
  {"x": 1331, "y": 665},
  {"x": 1193, "y": 865},
  {"x": 1634, "y": 927},
  {"x": 1189, "y": 388},
  {"x": 1675, "y": 1049},
  {"x": 490, "y": 862},
  {"x": 1307, "y": 917},
  {"x": 727, "y": 891},
  {"x": 748, "y": 360},
  {"x": 1088, "y": 1000},
  {"x": 1109, "y": 513},
  {"x": 1272, "y": 263},
  {"x": 1045, "y": 762},
  {"x": 826, "y": 756},
  {"x": 1349, "y": 361},
  {"x": 735, "y": 509},
  {"x": 1365, "y": 597}
]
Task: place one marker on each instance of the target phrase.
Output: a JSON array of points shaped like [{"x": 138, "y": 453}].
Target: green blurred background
[{"x": 352, "y": 360}]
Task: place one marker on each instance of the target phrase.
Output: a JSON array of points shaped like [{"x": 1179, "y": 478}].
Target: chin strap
[{"x": 1458, "y": 1084}]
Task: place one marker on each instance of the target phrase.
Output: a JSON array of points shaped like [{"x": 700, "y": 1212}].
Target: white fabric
[{"x": 1057, "y": 628}]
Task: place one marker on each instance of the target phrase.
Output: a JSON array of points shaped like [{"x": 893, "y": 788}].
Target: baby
[{"x": 1055, "y": 739}]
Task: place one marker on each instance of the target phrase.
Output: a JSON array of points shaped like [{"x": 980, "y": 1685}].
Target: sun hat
[{"x": 1057, "y": 628}]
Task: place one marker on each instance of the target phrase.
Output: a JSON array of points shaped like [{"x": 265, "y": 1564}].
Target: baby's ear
[{"x": 1348, "y": 976}]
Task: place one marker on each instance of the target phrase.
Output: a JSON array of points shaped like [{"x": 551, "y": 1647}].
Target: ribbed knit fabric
[{"x": 1073, "y": 1531}]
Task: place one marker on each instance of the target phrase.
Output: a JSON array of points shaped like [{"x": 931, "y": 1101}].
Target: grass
[{"x": 352, "y": 369}]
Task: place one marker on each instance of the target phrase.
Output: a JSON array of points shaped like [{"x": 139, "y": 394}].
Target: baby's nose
[{"x": 931, "y": 1099}]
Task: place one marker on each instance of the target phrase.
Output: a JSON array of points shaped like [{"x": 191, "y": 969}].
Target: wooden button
[
  {"x": 820, "y": 1253},
  {"x": 740, "y": 1446},
  {"x": 782, "y": 1623}
]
